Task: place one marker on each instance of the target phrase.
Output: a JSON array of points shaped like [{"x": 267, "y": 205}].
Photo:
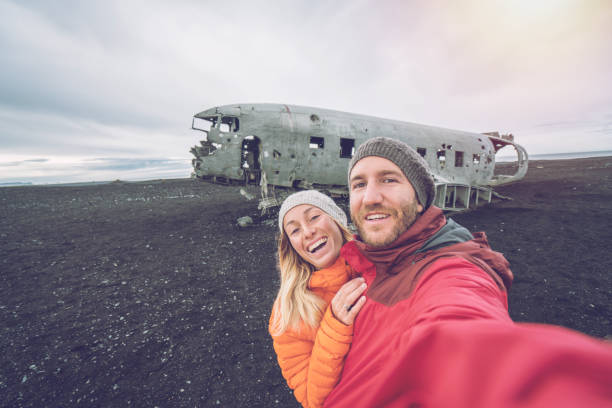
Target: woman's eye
[{"x": 314, "y": 217}]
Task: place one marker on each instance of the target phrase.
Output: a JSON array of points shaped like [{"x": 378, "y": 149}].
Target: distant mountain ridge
[{"x": 16, "y": 183}]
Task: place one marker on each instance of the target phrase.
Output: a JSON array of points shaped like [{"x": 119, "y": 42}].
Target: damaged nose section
[{"x": 225, "y": 155}]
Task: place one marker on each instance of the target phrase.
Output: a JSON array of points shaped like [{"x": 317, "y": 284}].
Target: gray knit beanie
[
  {"x": 312, "y": 197},
  {"x": 411, "y": 163}
]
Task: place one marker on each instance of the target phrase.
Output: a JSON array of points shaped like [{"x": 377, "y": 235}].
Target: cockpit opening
[
  {"x": 224, "y": 124},
  {"x": 201, "y": 124}
]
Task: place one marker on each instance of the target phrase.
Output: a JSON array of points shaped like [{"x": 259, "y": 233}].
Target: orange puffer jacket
[{"x": 311, "y": 359}]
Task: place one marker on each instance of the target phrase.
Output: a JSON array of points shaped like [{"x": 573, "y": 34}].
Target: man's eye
[
  {"x": 314, "y": 217},
  {"x": 357, "y": 185},
  {"x": 389, "y": 180}
]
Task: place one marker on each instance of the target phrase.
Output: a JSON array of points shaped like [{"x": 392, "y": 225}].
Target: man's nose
[{"x": 372, "y": 194}]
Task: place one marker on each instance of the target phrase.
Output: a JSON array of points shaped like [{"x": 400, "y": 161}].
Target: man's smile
[{"x": 376, "y": 217}]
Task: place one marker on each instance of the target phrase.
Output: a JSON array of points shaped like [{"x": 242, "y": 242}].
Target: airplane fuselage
[{"x": 297, "y": 146}]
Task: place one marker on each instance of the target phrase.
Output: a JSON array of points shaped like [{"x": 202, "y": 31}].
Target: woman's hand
[{"x": 348, "y": 301}]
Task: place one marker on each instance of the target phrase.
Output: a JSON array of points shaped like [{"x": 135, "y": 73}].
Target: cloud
[
  {"x": 122, "y": 79},
  {"x": 131, "y": 164},
  {"x": 86, "y": 70},
  {"x": 584, "y": 132},
  {"x": 62, "y": 170},
  {"x": 30, "y": 134},
  {"x": 19, "y": 163}
]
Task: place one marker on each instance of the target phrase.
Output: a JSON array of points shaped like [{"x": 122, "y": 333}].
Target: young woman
[{"x": 312, "y": 317}]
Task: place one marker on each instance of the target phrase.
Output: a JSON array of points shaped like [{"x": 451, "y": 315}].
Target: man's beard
[{"x": 404, "y": 218}]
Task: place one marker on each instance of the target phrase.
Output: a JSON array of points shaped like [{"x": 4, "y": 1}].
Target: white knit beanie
[{"x": 312, "y": 197}]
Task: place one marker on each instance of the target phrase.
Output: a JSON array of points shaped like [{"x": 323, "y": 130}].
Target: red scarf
[{"x": 389, "y": 259}]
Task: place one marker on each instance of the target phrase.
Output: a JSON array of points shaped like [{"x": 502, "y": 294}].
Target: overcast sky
[{"x": 100, "y": 90}]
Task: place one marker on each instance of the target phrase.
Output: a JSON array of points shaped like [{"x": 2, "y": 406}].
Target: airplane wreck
[{"x": 275, "y": 145}]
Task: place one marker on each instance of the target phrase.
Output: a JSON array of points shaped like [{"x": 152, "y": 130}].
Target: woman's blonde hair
[{"x": 295, "y": 303}]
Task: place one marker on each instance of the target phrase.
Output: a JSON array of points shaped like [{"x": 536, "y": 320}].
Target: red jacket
[{"x": 435, "y": 332}]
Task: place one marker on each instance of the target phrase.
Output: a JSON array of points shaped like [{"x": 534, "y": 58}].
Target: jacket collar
[
  {"x": 329, "y": 276},
  {"x": 430, "y": 222}
]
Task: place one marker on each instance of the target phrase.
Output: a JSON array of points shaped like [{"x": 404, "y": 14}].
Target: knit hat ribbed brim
[{"x": 315, "y": 198}]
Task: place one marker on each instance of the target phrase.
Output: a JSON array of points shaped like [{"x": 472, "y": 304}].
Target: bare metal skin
[{"x": 304, "y": 147}]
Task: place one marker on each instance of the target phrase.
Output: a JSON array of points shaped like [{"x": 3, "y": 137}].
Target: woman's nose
[{"x": 308, "y": 231}]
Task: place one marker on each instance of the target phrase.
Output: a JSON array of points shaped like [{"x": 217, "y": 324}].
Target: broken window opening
[
  {"x": 229, "y": 124},
  {"x": 458, "y": 158},
  {"x": 441, "y": 154},
  {"x": 202, "y": 124},
  {"x": 314, "y": 118},
  {"x": 276, "y": 154},
  {"x": 317, "y": 142},
  {"x": 476, "y": 158},
  {"x": 347, "y": 148},
  {"x": 422, "y": 151}
]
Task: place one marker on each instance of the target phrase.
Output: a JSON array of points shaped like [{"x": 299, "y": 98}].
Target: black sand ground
[{"x": 148, "y": 294}]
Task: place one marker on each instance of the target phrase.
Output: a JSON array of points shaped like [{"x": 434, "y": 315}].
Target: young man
[{"x": 435, "y": 329}]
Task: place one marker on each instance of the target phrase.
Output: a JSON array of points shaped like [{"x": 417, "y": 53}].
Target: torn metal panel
[{"x": 302, "y": 147}]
